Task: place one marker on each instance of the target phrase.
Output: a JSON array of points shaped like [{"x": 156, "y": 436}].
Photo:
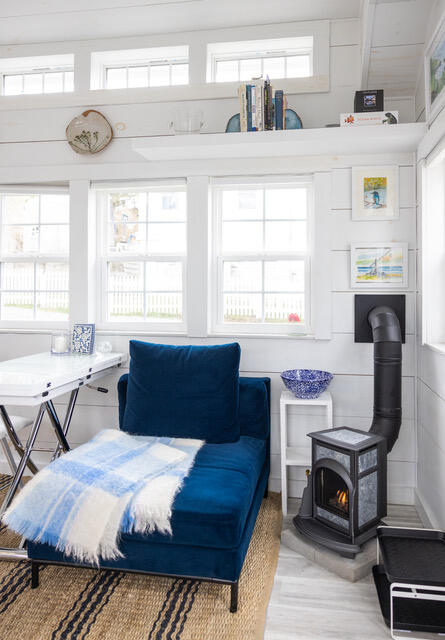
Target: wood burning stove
[
  {"x": 346, "y": 494},
  {"x": 345, "y": 498}
]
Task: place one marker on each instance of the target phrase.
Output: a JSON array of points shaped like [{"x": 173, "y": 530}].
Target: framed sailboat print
[{"x": 379, "y": 265}]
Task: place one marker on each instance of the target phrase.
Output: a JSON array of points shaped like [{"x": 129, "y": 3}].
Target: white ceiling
[
  {"x": 30, "y": 21},
  {"x": 395, "y": 32}
]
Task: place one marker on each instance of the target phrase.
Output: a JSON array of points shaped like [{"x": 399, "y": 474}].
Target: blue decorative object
[
  {"x": 83, "y": 339},
  {"x": 306, "y": 383},
  {"x": 234, "y": 126},
  {"x": 293, "y": 121}
]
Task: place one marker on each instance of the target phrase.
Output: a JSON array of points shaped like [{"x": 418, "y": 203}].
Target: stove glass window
[{"x": 332, "y": 492}]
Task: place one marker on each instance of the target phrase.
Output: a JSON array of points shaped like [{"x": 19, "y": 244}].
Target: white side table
[{"x": 294, "y": 455}]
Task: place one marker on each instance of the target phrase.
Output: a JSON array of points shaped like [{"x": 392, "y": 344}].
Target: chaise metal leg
[
  {"x": 234, "y": 597},
  {"x": 266, "y": 491},
  {"x": 34, "y": 575}
]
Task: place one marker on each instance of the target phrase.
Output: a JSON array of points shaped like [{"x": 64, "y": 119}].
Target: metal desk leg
[
  {"x": 56, "y": 425},
  {"x": 24, "y": 460},
  {"x": 67, "y": 420},
  {"x": 15, "y": 439}
]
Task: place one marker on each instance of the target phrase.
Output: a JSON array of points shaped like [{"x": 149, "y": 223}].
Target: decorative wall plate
[{"x": 89, "y": 133}]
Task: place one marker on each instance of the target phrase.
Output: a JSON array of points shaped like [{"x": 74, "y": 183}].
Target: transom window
[
  {"x": 144, "y": 265},
  {"x": 281, "y": 58},
  {"x": 262, "y": 256},
  {"x": 38, "y": 74},
  {"x": 34, "y": 257},
  {"x": 38, "y": 81},
  {"x": 156, "y": 74},
  {"x": 132, "y": 68}
]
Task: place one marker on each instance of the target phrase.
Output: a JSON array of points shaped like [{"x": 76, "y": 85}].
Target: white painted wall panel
[{"x": 345, "y": 230}]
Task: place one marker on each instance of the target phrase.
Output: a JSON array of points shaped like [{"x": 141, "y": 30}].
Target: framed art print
[
  {"x": 435, "y": 73},
  {"x": 375, "y": 193},
  {"x": 379, "y": 265},
  {"x": 83, "y": 339}
]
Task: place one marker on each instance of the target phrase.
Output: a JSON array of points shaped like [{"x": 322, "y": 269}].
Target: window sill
[
  {"x": 274, "y": 336},
  {"x": 437, "y": 347}
]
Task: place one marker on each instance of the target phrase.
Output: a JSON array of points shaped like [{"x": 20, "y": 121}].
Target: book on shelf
[
  {"x": 243, "y": 107},
  {"x": 259, "y": 109},
  {"x": 368, "y": 118},
  {"x": 279, "y": 110},
  {"x": 249, "y": 106}
]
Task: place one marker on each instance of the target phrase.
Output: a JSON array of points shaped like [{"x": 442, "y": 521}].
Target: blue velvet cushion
[
  {"x": 254, "y": 407},
  {"x": 213, "y": 504},
  {"x": 183, "y": 391},
  {"x": 177, "y": 559}
]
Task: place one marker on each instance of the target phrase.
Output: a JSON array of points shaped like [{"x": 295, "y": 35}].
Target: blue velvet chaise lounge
[{"x": 194, "y": 392}]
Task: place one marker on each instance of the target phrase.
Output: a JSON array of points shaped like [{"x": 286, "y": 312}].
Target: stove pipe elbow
[{"x": 387, "y": 340}]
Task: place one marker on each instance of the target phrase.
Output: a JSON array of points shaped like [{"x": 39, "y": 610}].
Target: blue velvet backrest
[{"x": 254, "y": 405}]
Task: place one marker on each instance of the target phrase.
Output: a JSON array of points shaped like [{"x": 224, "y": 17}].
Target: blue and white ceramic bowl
[{"x": 306, "y": 383}]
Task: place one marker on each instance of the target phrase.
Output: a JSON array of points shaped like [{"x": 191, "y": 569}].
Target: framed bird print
[{"x": 375, "y": 193}]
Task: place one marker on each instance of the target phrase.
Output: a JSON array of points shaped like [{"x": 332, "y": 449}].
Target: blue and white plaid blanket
[{"x": 115, "y": 483}]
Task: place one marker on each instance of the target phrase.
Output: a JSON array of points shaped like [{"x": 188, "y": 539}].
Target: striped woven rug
[{"x": 77, "y": 604}]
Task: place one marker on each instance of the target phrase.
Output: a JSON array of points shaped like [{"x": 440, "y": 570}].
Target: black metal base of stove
[{"x": 328, "y": 537}]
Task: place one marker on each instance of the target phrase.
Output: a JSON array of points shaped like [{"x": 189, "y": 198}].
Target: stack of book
[{"x": 260, "y": 108}]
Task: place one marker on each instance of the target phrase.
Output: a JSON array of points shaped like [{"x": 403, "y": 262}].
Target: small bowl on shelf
[{"x": 306, "y": 383}]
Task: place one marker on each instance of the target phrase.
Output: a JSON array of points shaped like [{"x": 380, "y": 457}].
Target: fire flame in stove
[{"x": 341, "y": 500}]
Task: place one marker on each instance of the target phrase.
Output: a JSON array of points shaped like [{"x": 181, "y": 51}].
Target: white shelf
[
  {"x": 352, "y": 140},
  {"x": 324, "y": 399},
  {"x": 298, "y": 456}
]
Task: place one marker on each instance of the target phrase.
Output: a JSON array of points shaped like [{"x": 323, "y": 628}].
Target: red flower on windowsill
[{"x": 294, "y": 317}]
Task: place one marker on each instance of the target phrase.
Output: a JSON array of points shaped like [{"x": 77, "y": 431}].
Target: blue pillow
[{"x": 183, "y": 392}]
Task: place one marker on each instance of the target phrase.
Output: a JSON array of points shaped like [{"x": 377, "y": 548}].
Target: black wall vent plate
[{"x": 363, "y": 305}]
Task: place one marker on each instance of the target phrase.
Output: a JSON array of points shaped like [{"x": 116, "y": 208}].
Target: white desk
[
  {"x": 35, "y": 381},
  {"x": 297, "y": 456}
]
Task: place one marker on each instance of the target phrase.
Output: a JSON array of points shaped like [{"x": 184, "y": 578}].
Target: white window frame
[
  {"x": 263, "y": 50},
  {"x": 147, "y": 327},
  {"x": 44, "y": 65},
  {"x": 217, "y": 325},
  {"x": 101, "y": 61},
  {"x": 34, "y": 258},
  {"x": 170, "y": 63},
  {"x": 44, "y": 72}
]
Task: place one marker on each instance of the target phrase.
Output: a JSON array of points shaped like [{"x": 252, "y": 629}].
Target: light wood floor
[{"x": 311, "y": 603}]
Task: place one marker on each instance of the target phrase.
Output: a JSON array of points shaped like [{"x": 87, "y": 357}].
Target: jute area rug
[{"x": 73, "y": 604}]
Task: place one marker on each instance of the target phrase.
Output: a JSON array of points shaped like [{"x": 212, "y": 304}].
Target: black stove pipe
[{"x": 387, "y": 340}]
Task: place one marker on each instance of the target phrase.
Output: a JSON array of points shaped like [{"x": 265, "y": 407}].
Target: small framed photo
[
  {"x": 435, "y": 73},
  {"x": 375, "y": 193},
  {"x": 380, "y": 265},
  {"x": 83, "y": 339},
  {"x": 371, "y": 100}
]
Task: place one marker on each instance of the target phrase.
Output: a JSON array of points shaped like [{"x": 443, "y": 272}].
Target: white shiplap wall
[
  {"x": 352, "y": 364},
  {"x": 430, "y": 492}
]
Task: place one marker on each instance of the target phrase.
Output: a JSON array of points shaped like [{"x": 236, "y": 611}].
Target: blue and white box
[{"x": 83, "y": 338}]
